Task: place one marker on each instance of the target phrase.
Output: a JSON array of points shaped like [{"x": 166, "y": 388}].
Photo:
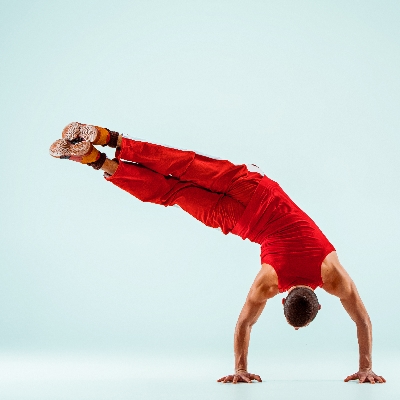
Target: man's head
[{"x": 300, "y": 306}]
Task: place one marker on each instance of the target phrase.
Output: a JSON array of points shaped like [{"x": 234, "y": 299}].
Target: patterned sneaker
[
  {"x": 76, "y": 132},
  {"x": 82, "y": 152}
]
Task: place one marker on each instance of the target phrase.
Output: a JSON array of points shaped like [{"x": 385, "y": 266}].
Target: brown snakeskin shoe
[{"x": 82, "y": 152}]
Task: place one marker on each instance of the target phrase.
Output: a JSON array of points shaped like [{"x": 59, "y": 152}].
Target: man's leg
[
  {"x": 213, "y": 209},
  {"x": 226, "y": 190},
  {"x": 216, "y": 175},
  {"x": 109, "y": 167},
  {"x": 220, "y": 176}
]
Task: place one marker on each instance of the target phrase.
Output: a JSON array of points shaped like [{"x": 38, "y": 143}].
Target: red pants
[{"x": 216, "y": 192}]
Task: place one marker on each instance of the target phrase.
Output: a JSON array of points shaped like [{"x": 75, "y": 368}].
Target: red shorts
[{"x": 216, "y": 192}]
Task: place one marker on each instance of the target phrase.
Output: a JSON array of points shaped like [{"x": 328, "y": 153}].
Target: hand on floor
[
  {"x": 241, "y": 376},
  {"x": 366, "y": 376}
]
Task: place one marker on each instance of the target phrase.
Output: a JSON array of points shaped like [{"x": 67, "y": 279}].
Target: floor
[{"x": 83, "y": 377}]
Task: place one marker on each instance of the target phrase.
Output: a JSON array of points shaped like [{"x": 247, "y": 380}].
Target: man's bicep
[
  {"x": 251, "y": 311},
  {"x": 336, "y": 279},
  {"x": 354, "y": 306},
  {"x": 342, "y": 286},
  {"x": 263, "y": 288}
]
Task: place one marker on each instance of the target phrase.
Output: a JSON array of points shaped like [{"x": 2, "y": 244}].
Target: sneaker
[
  {"x": 82, "y": 151},
  {"x": 76, "y": 132}
]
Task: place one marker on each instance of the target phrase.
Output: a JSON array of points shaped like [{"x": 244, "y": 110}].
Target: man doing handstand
[{"x": 295, "y": 255}]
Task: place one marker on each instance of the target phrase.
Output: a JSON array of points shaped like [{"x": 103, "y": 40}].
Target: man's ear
[
  {"x": 319, "y": 306},
  {"x": 283, "y": 300}
]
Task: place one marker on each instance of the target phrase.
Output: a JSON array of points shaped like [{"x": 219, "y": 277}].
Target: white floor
[{"x": 81, "y": 377}]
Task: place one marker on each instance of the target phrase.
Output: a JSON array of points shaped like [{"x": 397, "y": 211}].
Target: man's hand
[
  {"x": 365, "y": 376},
  {"x": 240, "y": 376}
]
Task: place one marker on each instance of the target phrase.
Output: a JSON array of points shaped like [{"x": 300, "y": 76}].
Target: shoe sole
[
  {"x": 75, "y": 132},
  {"x": 63, "y": 149}
]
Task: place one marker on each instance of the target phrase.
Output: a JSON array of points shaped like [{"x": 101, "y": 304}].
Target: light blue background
[{"x": 98, "y": 287}]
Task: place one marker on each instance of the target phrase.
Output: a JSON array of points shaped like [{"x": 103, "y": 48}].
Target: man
[{"x": 295, "y": 255}]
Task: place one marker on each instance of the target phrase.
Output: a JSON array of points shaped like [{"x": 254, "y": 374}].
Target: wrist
[
  {"x": 239, "y": 370},
  {"x": 365, "y": 363}
]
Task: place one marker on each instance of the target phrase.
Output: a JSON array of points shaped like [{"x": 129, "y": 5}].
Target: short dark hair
[{"x": 301, "y": 306}]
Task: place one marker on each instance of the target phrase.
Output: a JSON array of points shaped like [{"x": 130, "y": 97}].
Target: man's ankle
[{"x": 109, "y": 166}]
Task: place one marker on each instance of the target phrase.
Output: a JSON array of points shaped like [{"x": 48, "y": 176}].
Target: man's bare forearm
[
  {"x": 252, "y": 309},
  {"x": 354, "y": 306},
  {"x": 364, "y": 335},
  {"x": 241, "y": 345}
]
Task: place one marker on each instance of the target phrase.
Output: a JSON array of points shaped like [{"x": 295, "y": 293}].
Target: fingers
[
  {"x": 228, "y": 378},
  {"x": 240, "y": 378},
  {"x": 379, "y": 379},
  {"x": 351, "y": 377},
  {"x": 372, "y": 378},
  {"x": 225, "y": 379},
  {"x": 256, "y": 377}
]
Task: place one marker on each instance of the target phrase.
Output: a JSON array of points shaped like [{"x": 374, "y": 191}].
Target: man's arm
[
  {"x": 251, "y": 310},
  {"x": 338, "y": 283},
  {"x": 263, "y": 288}
]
